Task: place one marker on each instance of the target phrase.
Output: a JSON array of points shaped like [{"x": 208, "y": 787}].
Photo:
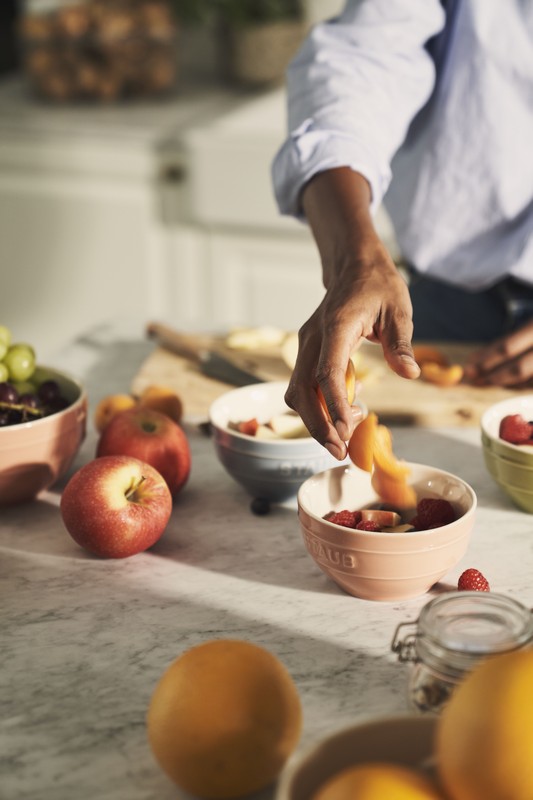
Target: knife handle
[{"x": 183, "y": 344}]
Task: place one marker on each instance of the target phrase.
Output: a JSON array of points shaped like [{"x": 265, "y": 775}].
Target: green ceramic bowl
[
  {"x": 507, "y": 472},
  {"x": 490, "y": 426}
]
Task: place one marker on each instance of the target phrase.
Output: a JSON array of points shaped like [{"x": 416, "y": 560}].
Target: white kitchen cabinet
[{"x": 163, "y": 211}]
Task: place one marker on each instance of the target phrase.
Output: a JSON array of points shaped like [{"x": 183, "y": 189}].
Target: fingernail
[
  {"x": 334, "y": 450},
  {"x": 342, "y": 429},
  {"x": 357, "y": 413}
]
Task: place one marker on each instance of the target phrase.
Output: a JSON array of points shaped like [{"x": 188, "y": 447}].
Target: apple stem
[{"x": 133, "y": 488}]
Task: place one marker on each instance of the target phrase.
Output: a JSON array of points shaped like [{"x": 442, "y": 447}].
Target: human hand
[
  {"x": 506, "y": 362},
  {"x": 369, "y": 299}
]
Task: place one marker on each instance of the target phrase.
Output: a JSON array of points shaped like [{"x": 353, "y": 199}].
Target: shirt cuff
[{"x": 309, "y": 151}]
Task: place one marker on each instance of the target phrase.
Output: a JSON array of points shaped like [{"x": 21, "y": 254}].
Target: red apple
[
  {"x": 152, "y": 437},
  {"x": 116, "y": 506}
]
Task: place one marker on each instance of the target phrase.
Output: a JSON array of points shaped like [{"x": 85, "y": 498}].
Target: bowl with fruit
[
  {"x": 507, "y": 441},
  {"x": 262, "y": 444},
  {"x": 42, "y": 422},
  {"x": 376, "y": 549},
  {"x": 390, "y": 755}
]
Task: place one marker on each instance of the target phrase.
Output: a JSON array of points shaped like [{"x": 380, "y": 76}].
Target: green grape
[
  {"x": 24, "y": 387},
  {"x": 5, "y": 336},
  {"x": 20, "y": 361},
  {"x": 3, "y": 349},
  {"x": 4, "y": 373}
]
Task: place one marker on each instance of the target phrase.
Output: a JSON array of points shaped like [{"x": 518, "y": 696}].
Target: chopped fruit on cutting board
[{"x": 435, "y": 367}]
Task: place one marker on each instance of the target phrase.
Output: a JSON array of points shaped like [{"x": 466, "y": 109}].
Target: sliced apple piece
[
  {"x": 405, "y": 528},
  {"x": 288, "y": 426},
  {"x": 387, "y": 519},
  {"x": 265, "y": 432}
]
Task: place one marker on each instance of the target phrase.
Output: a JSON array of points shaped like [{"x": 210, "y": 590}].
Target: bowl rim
[
  {"x": 301, "y": 758},
  {"x": 32, "y": 423},
  {"x": 282, "y": 385},
  {"x": 394, "y": 536},
  {"x": 503, "y": 405},
  {"x": 521, "y": 465}
]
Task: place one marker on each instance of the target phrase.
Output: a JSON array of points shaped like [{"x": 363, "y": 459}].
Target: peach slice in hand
[{"x": 351, "y": 382}]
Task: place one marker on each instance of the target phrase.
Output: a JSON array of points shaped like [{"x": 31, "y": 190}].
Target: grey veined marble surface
[{"x": 84, "y": 641}]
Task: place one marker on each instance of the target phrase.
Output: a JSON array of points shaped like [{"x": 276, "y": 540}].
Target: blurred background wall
[{"x": 136, "y": 138}]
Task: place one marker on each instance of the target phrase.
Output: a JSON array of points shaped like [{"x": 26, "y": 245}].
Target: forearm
[{"x": 336, "y": 203}]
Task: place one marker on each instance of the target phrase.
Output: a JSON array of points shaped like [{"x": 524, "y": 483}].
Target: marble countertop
[{"x": 84, "y": 641}]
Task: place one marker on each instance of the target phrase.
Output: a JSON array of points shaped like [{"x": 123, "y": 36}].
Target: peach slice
[
  {"x": 393, "y": 490},
  {"x": 426, "y": 352},
  {"x": 433, "y": 372},
  {"x": 361, "y": 444},
  {"x": 164, "y": 399},
  {"x": 351, "y": 380},
  {"x": 109, "y": 406}
]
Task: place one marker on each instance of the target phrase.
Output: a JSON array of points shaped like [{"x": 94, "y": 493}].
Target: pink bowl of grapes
[{"x": 43, "y": 415}]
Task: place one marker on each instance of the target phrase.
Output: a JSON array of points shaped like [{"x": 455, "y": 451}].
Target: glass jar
[
  {"x": 452, "y": 634},
  {"x": 101, "y": 50}
]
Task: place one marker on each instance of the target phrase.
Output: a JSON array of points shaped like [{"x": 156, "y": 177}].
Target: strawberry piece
[
  {"x": 368, "y": 525},
  {"x": 515, "y": 429},
  {"x": 348, "y": 519},
  {"x": 249, "y": 427},
  {"x": 472, "y": 580},
  {"x": 433, "y": 512}
]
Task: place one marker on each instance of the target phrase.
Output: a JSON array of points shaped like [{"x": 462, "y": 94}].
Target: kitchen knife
[{"x": 199, "y": 350}]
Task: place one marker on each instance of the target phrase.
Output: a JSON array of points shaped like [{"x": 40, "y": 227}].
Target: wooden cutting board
[{"x": 396, "y": 401}]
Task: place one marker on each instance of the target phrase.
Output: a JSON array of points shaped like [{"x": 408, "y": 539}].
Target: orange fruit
[
  {"x": 484, "y": 739},
  {"x": 109, "y": 406},
  {"x": 442, "y": 376},
  {"x": 361, "y": 444},
  {"x": 163, "y": 399},
  {"x": 224, "y": 718},
  {"x": 378, "y": 781},
  {"x": 351, "y": 380}
]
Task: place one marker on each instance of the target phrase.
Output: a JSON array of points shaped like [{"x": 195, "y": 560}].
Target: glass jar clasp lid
[{"x": 405, "y": 648}]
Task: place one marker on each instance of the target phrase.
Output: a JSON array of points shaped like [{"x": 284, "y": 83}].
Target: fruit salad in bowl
[{"x": 43, "y": 415}]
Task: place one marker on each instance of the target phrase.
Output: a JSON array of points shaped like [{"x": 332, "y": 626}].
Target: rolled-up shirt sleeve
[{"x": 353, "y": 89}]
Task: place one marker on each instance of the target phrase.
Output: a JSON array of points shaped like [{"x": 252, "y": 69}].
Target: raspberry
[
  {"x": 473, "y": 581},
  {"x": 433, "y": 513},
  {"x": 367, "y": 525},
  {"x": 348, "y": 519},
  {"x": 515, "y": 429}
]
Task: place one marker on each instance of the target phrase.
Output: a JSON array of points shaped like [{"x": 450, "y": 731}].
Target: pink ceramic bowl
[
  {"x": 383, "y": 566},
  {"x": 34, "y": 455}
]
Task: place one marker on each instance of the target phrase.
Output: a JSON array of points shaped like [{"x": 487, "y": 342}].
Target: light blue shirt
[{"x": 433, "y": 103}]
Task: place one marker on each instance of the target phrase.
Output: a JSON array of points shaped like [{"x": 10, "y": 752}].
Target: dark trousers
[{"x": 442, "y": 312}]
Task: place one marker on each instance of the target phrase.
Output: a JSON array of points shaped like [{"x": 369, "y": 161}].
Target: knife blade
[{"x": 197, "y": 350}]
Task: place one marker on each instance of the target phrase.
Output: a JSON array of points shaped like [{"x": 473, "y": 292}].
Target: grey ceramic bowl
[{"x": 269, "y": 468}]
